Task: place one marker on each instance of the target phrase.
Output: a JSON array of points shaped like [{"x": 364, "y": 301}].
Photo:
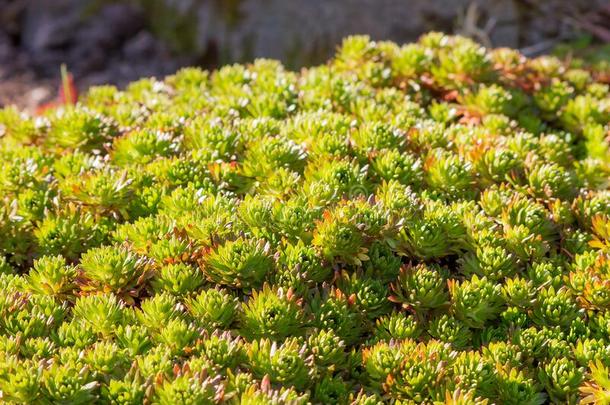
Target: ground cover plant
[{"x": 427, "y": 223}]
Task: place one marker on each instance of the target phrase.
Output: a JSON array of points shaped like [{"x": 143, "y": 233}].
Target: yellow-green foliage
[{"x": 427, "y": 223}]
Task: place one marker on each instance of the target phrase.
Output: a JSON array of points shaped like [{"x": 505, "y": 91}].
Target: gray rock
[
  {"x": 308, "y": 31},
  {"x": 143, "y": 45},
  {"x": 297, "y": 32},
  {"x": 51, "y": 24},
  {"x": 7, "y": 50},
  {"x": 11, "y": 15},
  {"x": 111, "y": 26}
]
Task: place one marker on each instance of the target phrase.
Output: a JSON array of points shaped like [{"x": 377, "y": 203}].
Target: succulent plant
[
  {"x": 177, "y": 336},
  {"x": 113, "y": 269},
  {"x": 221, "y": 350},
  {"x": 448, "y": 176},
  {"x": 421, "y": 287},
  {"x": 339, "y": 240},
  {"x": 476, "y": 301},
  {"x": 80, "y": 128},
  {"x": 331, "y": 390},
  {"x": 332, "y": 309},
  {"x": 302, "y": 260},
  {"x": 213, "y": 308},
  {"x": 124, "y": 392},
  {"x": 327, "y": 350},
  {"x": 450, "y": 330},
  {"x": 155, "y": 312},
  {"x": 106, "y": 360},
  {"x": 383, "y": 359},
  {"x": 370, "y": 293},
  {"x": 493, "y": 262},
  {"x": 188, "y": 388},
  {"x": 418, "y": 223},
  {"x": 179, "y": 279},
  {"x": 51, "y": 275},
  {"x": 284, "y": 363},
  {"x": 69, "y": 232},
  {"x": 102, "y": 313},
  {"x": 20, "y": 381},
  {"x": 265, "y": 394},
  {"x": 436, "y": 233},
  {"x": 586, "y": 350},
  {"x": 554, "y": 307},
  {"x": 514, "y": 387},
  {"x": 475, "y": 374},
  {"x": 415, "y": 376},
  {"x": 272, "y": 313},
  {"x": 135, "y": 339},
  {"x": 561, "y": 378},
  {"x": 240, "y": 263},
  {"x": 69, "y": 384},
  {"x": 598, "y": 388},
  {"x": 396, "y": 326},
  {"x": 390, "y": 164}
]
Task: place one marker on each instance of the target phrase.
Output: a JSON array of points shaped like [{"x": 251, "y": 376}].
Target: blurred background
[{"x": 105, "y": 41}]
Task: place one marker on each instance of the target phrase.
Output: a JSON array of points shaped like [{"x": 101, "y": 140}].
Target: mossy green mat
[{"x": 426, "y": 223}]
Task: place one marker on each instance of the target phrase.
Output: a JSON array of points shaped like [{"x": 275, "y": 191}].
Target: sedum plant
[
  {"x": 213, "y": 308},
  {"x": 50, "y": 275},
  {"x": 242, "y": 263},
  {"x": 418, "y": 223},
  {"x": 110, "y": 268},
  {"x": 272, "y": 313},
  {"x": 285, "y": 363}
]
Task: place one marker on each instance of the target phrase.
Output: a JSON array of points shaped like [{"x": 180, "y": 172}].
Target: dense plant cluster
[{"x": 427, "y": 223}]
